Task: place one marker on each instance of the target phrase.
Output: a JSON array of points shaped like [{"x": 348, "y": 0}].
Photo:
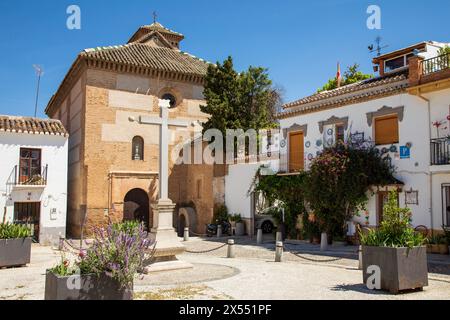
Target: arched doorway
[
  {"x": 181, "y": 225},
  {"x": 136, "y": 207}
]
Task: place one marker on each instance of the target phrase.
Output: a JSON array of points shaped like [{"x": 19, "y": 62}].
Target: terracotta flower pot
[
  {"x": 443, "y": 249},
  {"x": 434, "y": 248}
]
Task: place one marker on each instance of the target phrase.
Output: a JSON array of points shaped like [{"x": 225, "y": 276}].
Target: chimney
[{"x": 415, "y": 70}]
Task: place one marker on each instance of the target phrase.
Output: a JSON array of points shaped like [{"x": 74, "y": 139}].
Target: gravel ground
[{"x": 251, "y": 275}]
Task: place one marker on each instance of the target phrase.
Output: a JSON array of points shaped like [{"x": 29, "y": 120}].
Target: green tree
[
  {"x": 444, "y": 50},
  {"x": 339, "y": 180},
  {"x": 351, "y": 75},
  {"x": 245, "y": 100}
]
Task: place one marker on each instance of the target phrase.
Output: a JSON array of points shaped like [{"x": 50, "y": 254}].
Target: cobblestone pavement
[{"x": 251, "y": 275}]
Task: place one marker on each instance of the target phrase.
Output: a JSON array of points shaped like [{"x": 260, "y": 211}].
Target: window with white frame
[{"x": 397, "y": 62}]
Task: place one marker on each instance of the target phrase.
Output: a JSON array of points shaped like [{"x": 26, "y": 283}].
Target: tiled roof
[
  {"x": 159, "y": 27},
  {"x": 156, "y": 58},
  {"x": 31, "y": 125},
  {"x": 363, "y": 90}
]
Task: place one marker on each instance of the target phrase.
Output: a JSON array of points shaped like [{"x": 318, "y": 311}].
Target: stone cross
[
  {"x": 167, "y": 246},
  {"x": 164, "y": 122}
]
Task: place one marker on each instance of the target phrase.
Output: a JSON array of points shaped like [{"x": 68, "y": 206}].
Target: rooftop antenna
[
  {"x": 155, "y": 15},
  {"x": 378, "y": 48},
  {"x": 39, "y": 73}
]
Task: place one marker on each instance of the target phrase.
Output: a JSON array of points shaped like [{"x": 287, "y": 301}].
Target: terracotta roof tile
[
  {"x": 31, "y": 125},
  {"x": 363, "y": 90},
  {"x": 157, "y": 58}
]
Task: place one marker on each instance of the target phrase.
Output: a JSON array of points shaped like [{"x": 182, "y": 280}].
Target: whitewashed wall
[
  {"x": 53, "y": 196},
  {"x": 414, "y": 128},
  {"x": 237, "y": 185}
]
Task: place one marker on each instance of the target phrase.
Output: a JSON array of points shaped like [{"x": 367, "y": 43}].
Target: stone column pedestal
[{"x": 168, "y": 246}]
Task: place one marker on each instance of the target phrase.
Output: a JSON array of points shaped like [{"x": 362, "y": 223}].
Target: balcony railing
[
  {"x": 440, "y": 151},
  {"x": 436, "y": 64},
  {"x": 32, "y": 176}
]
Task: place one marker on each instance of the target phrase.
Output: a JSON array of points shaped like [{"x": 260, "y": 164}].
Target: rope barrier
[
  {"x": 297, "y": 254},
  {"x": 198, "y": 234},
  {"x": 207, "y": 251}
]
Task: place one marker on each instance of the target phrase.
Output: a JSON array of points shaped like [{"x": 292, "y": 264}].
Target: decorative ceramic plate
[
  {"x": 307, "y": 144},
  {"x": 310, "y": 156},
  {"x": 393, "y": 148},
  {"x": 330, "y": 132},
  {"x": 319, "y": 143},
  {"x": 283, "y": 143}
]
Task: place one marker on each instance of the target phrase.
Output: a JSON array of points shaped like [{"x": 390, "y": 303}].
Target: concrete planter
[
  {"x": 240, "y": 229},
  {"x": 84, "y": 287},
  {"x": 401, "y": 268},
  {"x": 15, "y": 252}
]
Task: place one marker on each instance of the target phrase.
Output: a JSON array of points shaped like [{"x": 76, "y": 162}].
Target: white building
[
  {"x": 33, "y": 175},
  {"x": 396, "y": 111}
]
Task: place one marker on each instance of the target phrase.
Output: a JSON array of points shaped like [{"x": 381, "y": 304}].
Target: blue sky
[{"x": 299, "y": 42}]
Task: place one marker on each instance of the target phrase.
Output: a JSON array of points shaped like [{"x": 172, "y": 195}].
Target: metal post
[
  {"x": 279, "y": 251},
  {"x": 61, "y": 243},
  {"x": 279, "y": 237},
  {"x": 324, "y": 242},
  {"x": 259, "y": 236},
  {"x": 230, "y": 253},
  {"x": 360, "y": 265},
  {"x": 219, "y": 231},
  {"x": 186, "y": 234}
]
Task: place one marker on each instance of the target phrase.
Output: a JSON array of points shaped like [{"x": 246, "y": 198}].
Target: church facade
[{"x": 113, "y": 160}]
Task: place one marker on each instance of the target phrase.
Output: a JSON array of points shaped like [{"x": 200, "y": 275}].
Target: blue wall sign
[{"x": 405, "y": 152}]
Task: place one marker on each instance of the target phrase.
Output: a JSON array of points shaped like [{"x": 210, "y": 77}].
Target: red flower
[{"x": 66, "y": 263}]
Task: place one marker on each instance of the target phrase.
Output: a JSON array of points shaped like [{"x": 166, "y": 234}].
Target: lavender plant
[{"x": 118, "y": 250}]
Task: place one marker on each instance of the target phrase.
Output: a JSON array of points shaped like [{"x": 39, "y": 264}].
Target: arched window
[
  {"x": 171, "y": 98},
  {"x": 137, "y": 150}
]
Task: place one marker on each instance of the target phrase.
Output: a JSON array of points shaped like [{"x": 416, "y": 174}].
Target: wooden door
[
  {"x": 382, "y": 199},
  {"x": 296, "y": 151},
  {"x": 28, "y": 213}
]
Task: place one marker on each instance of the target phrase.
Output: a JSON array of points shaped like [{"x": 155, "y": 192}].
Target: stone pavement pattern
[{"x": 251, "y": 275}]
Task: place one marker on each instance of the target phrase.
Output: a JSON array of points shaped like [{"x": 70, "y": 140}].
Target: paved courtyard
[{"x": 253, "y": 274}]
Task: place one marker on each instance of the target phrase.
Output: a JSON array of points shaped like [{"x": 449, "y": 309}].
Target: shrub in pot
[
  {"x": 433, "y": 244},
  {"x": 396, "y": 249},
  {"x": 237, "y": 222},
  {"x": 104, "y": 271},
  {"x": 447, "y": 237},
  {"x": 15, "y": 245}
]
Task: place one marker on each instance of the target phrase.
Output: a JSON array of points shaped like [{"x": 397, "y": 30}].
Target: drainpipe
[{"x": 430, "y": 187}]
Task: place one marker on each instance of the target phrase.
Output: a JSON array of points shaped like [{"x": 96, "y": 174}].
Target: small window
[
  {"x": 137, "y": 149},
  {"x": 340, "y": 133},
  {"x": 171, "y": 98},
  {"x": 386, "y": 130},
  {"x": 395, "y": 63}
]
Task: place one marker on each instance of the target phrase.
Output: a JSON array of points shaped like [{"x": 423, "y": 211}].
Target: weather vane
[{"x": 378, "y": 48}]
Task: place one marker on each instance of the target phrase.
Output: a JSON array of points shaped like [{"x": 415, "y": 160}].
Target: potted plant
[
  {"x": 236, "y": 220},
  {"x": 104, "y": 271},
  {"x": 447, "y": 237},
  {"x": 396, "y": 249},
  {"x": 15, "y": 245},
  {"x": 443, "y": 244},
  {"x": 311, "y": 229},
  {"x": 433, "y": 243}
]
